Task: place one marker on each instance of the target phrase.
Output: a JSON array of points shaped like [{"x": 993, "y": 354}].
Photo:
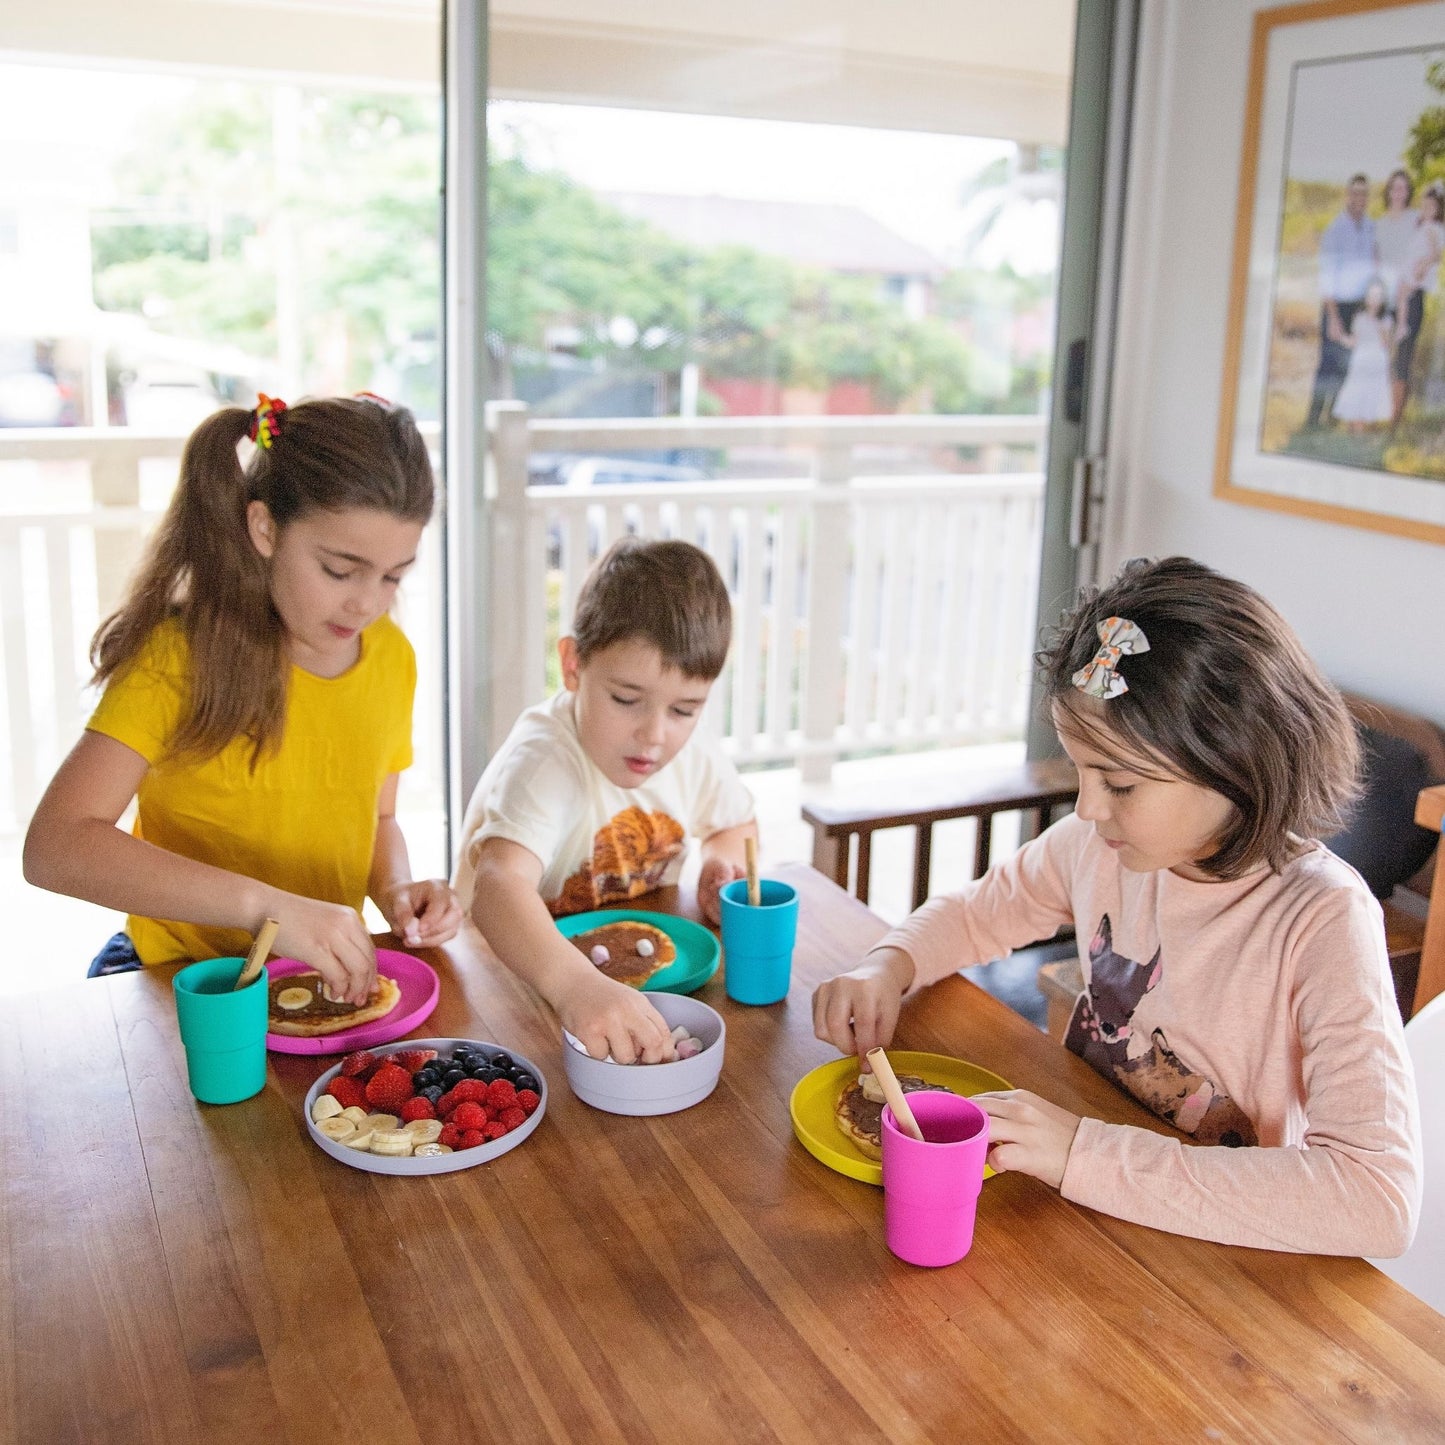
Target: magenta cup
[{"x": 930, "y": 1190}]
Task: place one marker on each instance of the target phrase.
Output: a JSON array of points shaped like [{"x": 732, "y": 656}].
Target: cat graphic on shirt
[{"x": 1100, "y": 1031}]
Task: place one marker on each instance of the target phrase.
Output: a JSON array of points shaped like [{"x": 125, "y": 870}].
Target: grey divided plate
[{"x": 435, "y": 1163}]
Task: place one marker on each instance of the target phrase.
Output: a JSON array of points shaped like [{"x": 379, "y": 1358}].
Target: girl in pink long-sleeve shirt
[{"x": 1236, "y": 977}]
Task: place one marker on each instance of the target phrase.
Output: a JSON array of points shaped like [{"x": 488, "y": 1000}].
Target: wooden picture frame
[{"x": 1309, "y": 423}]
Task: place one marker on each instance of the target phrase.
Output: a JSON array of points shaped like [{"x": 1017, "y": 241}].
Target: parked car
[
  {"x": 582, "y": 473},
  {"x": 33, "y": 398}
]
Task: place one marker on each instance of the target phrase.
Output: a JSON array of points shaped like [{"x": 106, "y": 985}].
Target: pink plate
[{"x": 420, "y": 989}]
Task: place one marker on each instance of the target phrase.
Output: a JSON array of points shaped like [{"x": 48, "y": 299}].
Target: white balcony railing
[{"x": 871, "y": 611}]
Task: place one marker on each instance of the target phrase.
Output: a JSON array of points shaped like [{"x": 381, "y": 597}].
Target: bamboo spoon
[
  {"x": 755, "y": 888},
  {"x": 259, "y": 950},
  {"x": 897, "y": 1099}
]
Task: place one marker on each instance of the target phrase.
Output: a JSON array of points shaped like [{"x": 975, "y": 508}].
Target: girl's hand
[
  {"x": 611, "y": 1018},
  {"x": 716, "y": 874},
  {"x": 858, "y": 1010},
  {"x": 422, "y": 913},
  {"x": 1028, "y": 1134},
  {"x": 331, "y": 938}
]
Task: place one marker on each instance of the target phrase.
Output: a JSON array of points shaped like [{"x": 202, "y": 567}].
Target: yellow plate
[{"x": 815, "y": 1096}]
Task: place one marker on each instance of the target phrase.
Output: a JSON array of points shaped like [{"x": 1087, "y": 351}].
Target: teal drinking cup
[
  {"x": 758, "y": 942},
  {"x": 224, "y": 1031}
]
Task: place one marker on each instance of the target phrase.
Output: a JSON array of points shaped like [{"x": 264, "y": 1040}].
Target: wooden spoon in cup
[
  {"x": 258, "y": 954},
  {"x": 893, "y": 1092}
]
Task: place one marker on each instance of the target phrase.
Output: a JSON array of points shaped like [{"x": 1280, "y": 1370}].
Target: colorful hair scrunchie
[
  {"x": 372, "y": 396},
  {"x": 1100, "y": 678},
  {"x": 266, "y": 420}
]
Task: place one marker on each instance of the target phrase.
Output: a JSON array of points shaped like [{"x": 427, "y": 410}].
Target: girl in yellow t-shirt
[{"x": 257, "y": 705}]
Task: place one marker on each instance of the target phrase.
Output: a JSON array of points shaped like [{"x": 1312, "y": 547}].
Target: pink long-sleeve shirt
[{"x": 1257, "y": 1013}]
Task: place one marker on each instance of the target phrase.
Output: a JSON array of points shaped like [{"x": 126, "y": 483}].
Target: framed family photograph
[{"x": 1333, "y": 401}]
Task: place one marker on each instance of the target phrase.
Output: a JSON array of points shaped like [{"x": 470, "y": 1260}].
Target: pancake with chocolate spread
[
  {"x": 859, "y": 1110},
  {"x": 624, "y": 962},
  {"x": 299, "y": 1007}
]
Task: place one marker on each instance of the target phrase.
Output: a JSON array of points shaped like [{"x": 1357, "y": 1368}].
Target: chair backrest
[{"x": 1421, "y": 1269}]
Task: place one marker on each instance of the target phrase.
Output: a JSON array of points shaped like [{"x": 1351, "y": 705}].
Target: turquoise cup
[
  {"x": 223, "y": 1030},
  {"x": 758, "y": 942}
]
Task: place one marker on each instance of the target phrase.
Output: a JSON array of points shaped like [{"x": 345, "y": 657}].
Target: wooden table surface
[{"x": 172, "y": 1271}]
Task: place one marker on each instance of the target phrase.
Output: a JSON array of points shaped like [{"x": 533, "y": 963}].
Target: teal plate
[{"x": 697, "y": 949}]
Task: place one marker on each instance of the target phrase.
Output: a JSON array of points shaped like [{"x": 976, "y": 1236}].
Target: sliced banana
[
  {"x": 424, "y": 1131},
  {"x": 383, "y": 1123},
  {"x": 429, "y": 1151},
  {"x": 872, "y": 1089},
  {"x": 325, "y": 1107},
  {"x": 337, "y": 1128},
  {"x": 293, "y": 998},
  {"x": 395, "y": 1142},
  {"x": 361, "y": 1139},
  {"x": 355, "y": 1113}
]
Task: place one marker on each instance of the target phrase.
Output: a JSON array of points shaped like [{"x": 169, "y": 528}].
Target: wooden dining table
[{"x": 180, "y": 1272}]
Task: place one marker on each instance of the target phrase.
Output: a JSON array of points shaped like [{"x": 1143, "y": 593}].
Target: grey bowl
[{"x": 639, "y": 1089}]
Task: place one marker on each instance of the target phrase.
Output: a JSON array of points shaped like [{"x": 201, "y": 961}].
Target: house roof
[{"x": 835, "y": 237}]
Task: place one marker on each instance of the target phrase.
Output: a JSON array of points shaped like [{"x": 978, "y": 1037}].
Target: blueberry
[
  {"x": 453, "y": 1077},
  {"x": 432, "y": 1092},
  {"x": 501, "y": 1061},
  {"x": 425, "y": 1078},
  {"x": 526, "y": 1081},
  {"x": 480, "y": 1071}
]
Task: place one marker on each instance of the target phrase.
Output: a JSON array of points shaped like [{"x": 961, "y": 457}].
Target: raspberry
[
  {"x": 501, "y": 1093},
  {"x": 389, "y": 1088},
  {"x": 450, "y": 1135},
  {"x": 527, "y": 1100},
  {"x": 347, "y": 1092},
  {"x": 493, "y": 1130},
  {"x": 358, "y": 1065},
  {"x": 469, "y": 1091},
  {"x": 417, "y": 1108},
  {"x": 469, "y": 1115},
  {"x": 471, "y": 1138},
  {"x": 510, "y": 1118},
  {"x": 446, "y": 1104},
  {"x": 413, "y": 1059}
]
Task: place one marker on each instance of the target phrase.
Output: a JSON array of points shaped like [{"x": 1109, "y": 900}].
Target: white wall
[{"x": 1369, "y": 606}]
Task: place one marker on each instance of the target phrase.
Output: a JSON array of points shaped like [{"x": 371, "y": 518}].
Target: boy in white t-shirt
[{"x": 593, "y": 797}]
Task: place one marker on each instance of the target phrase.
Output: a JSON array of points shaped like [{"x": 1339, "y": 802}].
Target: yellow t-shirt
[{"x": 305, "y": 819}]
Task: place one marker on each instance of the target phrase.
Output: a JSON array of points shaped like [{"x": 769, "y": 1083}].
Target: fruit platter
[{"x": 425, "y": 1106}]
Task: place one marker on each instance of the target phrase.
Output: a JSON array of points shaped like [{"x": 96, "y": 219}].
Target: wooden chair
[
  {"x": 1430, "y": 813},
  {"x": 843, "y": 815}
]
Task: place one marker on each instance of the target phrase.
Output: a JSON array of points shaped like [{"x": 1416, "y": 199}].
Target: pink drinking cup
[{"x": 930, "y": 1190}]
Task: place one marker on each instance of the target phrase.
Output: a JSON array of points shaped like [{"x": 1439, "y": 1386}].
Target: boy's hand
[
  {"x": 858, "y": 1010},
  {"x": 611, "y": 1018},
  {"x": 716, "y": 874},
  {"x": 1028, "y": 1134},
  {"x": 422, "y": 913},
  {"x": 331, "y": 938}
]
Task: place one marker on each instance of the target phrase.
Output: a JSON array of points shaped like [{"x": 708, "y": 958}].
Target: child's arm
[
  {"x": 858, "y": 1010},
  {"x": 608, "y": 1017},
  {"x": 421, "y": 912},
  {"x": 724, "y": 857},
  {"x": 74, "y": 847}
]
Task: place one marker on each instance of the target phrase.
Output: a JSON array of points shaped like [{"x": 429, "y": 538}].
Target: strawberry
[
  {"x": 527, "y": 1100},
  {"x": 501, "y": 1094},
  {"x": 469, "y": 1115},
  {"x": 510, "y": 1118},
  {"x": 358, "y": 1065},
  {"x": 417, "y": 1108},
  {"x": 413, "y": 1059},
  {"x": 347, "y": 1092},
  {"x": 471, "y": 1138},
  {"x": 389, "y": 1088}
]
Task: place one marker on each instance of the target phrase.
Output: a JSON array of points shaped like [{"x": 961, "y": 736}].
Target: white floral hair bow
[{"x": 1100, "y": 678}]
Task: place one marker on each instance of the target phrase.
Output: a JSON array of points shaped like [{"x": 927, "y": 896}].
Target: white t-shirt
[{"x": 598, "y": 843}]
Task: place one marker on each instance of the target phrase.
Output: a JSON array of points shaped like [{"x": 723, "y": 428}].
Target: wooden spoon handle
[
  {"x": 897, "y": 1099},
  {"x": 755, "y": 889},
  {"x": 259, "y": 951}
]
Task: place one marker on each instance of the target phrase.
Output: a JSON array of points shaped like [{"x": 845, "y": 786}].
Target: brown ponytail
[{"x": 202, "y": 569}]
